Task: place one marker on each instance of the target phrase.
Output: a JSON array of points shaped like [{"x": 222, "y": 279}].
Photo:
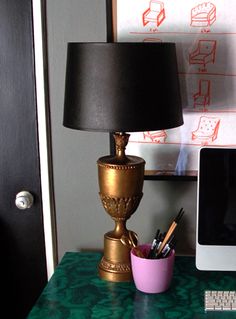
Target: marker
[
  {"x": 168, "y": 247},
  {"x": 154, "y": 245}
]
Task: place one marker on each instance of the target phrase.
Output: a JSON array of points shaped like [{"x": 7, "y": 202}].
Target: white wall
[{"x": 81, "y": 219}]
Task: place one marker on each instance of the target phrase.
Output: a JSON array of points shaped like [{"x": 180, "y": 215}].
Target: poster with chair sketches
[{"x": 205, "y": 37}]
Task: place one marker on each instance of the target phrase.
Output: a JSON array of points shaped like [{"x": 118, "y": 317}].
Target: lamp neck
[{"x": 121, "y": 140}]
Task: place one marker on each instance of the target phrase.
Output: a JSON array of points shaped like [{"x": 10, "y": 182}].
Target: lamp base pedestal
[
  {"x": 115, "y": 264},
  {"x": 120, "y": 181}
]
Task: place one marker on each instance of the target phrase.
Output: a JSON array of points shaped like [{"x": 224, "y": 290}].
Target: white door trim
[{"x": 48, "y": 205}]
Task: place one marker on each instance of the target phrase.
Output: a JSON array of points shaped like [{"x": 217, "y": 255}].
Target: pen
[{"x": 170, "y": 231}]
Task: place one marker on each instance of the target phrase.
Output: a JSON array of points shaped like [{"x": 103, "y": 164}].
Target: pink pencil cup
[{"x": 152, "y": 275}]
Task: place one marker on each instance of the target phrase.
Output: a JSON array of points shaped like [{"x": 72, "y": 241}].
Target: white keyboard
[{"x": 216, "y": 300}]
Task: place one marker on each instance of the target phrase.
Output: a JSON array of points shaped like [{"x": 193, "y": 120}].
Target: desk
[{"x": 76, "y": 292}]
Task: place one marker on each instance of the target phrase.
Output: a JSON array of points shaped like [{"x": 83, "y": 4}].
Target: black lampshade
[{"x": 123, "y": 87}]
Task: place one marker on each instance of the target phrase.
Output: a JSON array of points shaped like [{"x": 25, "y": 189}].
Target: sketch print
[
  {"x": 201, "y": 99},
  {"x": 203, "y": 15},
  {"x": 155, "y": 136},
  {"x": 203, "y": 54},
  {"x": 205, "y": 37},
  {"x": 207, "y": 130},
  {"x": 155, "y": 13}
]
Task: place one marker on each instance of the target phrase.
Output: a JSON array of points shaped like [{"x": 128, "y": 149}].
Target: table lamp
[{"x": 120, "y": 88}]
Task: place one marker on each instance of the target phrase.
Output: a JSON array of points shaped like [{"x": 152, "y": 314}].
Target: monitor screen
[
  {"x": 216, "y": 209},
  {"x": 217, "y": 197}
]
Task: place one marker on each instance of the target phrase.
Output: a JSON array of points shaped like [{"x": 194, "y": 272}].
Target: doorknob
[{"x": 24, "y": 200}]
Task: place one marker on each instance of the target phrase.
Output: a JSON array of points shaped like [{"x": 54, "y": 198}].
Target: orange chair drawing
[
  {"x": 155, "y": 13},
  {"x": 158, "y": 137},
  {"x": 202, "y": 97},
  {"x": 203, "y": 15},
  {"x": 204, "y": 53},
  {"x": 207, "y": 130}
]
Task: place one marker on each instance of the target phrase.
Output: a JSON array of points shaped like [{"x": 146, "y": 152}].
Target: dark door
[{"x": 23, "y": 263}]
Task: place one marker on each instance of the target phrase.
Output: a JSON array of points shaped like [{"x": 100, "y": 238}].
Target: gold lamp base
[{"x": 121, "y": 183}]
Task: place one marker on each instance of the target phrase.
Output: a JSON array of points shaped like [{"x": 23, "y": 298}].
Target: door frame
[{"x": 44, "y": 133}]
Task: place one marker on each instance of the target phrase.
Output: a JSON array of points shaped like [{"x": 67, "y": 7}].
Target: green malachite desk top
[{"x": 75, "y": 291}]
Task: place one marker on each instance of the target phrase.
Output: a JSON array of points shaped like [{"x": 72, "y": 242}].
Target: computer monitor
[{"x": 216, "y": 209}]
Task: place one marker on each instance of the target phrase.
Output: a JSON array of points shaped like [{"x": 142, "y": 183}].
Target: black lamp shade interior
[{"x": 123, "y": 87}]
